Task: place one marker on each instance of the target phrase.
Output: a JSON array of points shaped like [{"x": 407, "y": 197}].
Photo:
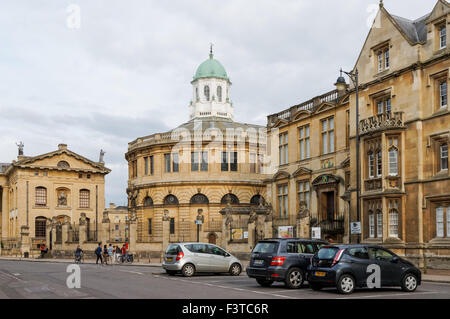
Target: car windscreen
[
  {"x": 173, "y": 249},
  {"x": 266, "y": 247},
  {"x": 327, "y": 253}
]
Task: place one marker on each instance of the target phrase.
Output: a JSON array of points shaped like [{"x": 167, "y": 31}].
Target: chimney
[{"x": 62, "y": 146}]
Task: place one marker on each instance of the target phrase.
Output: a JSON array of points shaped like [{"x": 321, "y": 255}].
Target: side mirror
[{"x": 394, "y": 259}]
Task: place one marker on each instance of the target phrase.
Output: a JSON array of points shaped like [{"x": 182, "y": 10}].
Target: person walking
[
  {"x": 118, "y": 252},
  {"x": 105, "y": 254},
  {"x": 98, "y": 253},
  {"x": 110, "y": 253},
  {"x": 124, "y": 253},
  {"x": 44, "y": 250}
]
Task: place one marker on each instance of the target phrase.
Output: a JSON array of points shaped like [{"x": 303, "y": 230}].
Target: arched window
[
  {"x": 171, "y": 200},
  {"x": 393, "y": 218},
  {"x": 393, "y": 156},
  {"x": 255, "y": 199},
  {"x": 63, "y": 164},
  {"x": 371, "y": 164},
  {"x": 199, "y": 199},
  {"x": 40, "y": 224},
  {"x": 233, "y": 199},
  {"x": 379, "y": 224},
  {"x": 371, "y": 224},
  {"x": 206, "y": 92},
  {"x": 219, "y": 93},
  {"x": 148, "y": 201},
  {"x": 84, "y": 198},
  {"x": 41, "y": 196}
]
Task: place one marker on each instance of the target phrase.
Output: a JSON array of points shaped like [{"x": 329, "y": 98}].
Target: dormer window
[
  {"x": 442, "y": 37},
  {"x": 383, "y": 58}
]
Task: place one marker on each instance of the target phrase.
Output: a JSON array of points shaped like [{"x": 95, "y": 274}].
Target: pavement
[
  {"x": 432, "y": 275},
  {"x": 47, "y": 279}
]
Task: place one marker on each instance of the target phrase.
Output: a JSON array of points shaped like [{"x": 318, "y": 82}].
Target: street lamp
[{"x": 341, "y": 82}]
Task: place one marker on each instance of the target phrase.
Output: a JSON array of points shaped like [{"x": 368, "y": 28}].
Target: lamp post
[{"x": 341, "y": 81}]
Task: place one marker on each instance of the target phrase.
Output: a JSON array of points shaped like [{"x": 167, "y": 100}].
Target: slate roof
[{"x": 415, "y": 30}]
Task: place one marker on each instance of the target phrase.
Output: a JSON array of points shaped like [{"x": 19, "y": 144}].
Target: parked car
[
  {"x": 282, "y": 259},
  {"x": 346, "y": 267},
  {"x": 191, "y": 258}
]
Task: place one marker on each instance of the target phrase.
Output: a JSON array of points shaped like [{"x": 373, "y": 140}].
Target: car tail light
[
  {"x": 337, "y": 257},
  {"x": 275, "y": 275},
  {"x": 277, "y": 261},
  {"x": 179, "y": 256}
]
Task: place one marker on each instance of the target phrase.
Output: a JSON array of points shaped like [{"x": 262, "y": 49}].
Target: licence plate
[
  {"x": 320, "y": 274},
  {"x": 258, "y": 262},
  {"x": 169, "y": 259}
]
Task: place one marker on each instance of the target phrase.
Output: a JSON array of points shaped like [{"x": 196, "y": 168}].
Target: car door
[
  {"x": 308, "y": 249},
  {"x": 201, "y": 257},
  {"x": 218, "y": 260},
  {"x": 390, "y": 271},
  {"x": 359, "y": 262}
]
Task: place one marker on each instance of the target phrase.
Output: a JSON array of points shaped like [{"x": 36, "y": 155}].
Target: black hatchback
[
  {"x": 349, "y": 266},
  {"x": 283, "y": 260}
]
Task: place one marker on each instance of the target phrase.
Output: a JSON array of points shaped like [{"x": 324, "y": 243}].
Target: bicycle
[{"x": 79, "y": 259}]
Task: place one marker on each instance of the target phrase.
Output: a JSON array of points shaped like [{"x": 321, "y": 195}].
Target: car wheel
[
  {"x": 264, "y": 283},
  {"x": 315, "y": 287},
  {"x": 346, "y": 284},
  {"x": 188, "y": 270},
  {"x": 409, "y": 283},
  {"x": 235, "y": 269},
  {"x": 294, "y": 278},
  {"x": 171, "y": 272}
]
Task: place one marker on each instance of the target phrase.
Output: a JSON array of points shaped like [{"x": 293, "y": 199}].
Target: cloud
[{"x": 126, "y": 71}]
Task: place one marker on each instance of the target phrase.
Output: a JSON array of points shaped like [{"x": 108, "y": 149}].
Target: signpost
[
  {"x": 355, "y": 228},
  {"x": 315, "y": 233}
]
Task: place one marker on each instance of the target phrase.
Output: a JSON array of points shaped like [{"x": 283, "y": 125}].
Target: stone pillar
[
  {"x": 225, "y": 233},
  {"x": 5, "y": 212},
  {"x": 165, "y": 230},
  {"x": 105, "y": 229},
  {"x": 25, "y": 240},
  {"x": 132, "y": 235},
  {"x": 65, "y": 231},
  {"x": 82, "y": 235},
  {"x": 48, "y": 230},
  {"x": 251, "y": 235}
]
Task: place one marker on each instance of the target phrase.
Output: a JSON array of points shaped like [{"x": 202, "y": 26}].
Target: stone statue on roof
[{"x": 20, "y": 146}]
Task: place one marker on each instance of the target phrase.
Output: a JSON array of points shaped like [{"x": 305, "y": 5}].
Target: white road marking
[
  {"x": 11, "y": 276},
  {"x": 392, "y": 295},
  {"x": 133, "y": 272}
]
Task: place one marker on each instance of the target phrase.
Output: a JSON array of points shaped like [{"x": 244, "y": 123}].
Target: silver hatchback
[{"x": 190, "y": 258}]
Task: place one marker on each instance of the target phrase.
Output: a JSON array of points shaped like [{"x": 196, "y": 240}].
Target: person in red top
[
  {"x": 124, "y": 253},
  {"x": 126, "y": 245},
  {"x": 44, "y": 250}
]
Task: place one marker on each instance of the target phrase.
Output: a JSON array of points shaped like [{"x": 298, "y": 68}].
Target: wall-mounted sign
[
  {"x": 315, "y": 233},
  {"x": 237, "y": 233},
  {"x": 355, "y": 228},
  {"x": 285, "y": 231}
]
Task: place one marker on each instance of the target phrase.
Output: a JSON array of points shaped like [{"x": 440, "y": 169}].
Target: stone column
[
  {"x": 82, "y": 235},
  {"x": 132, "y": 235},
  {"x": 48, "y": 230},
  {"x": 5, "y": 212},
  {"x": 65, "y": 231},
  {"x": 105, "y": 229},
  {"x": 251, "y": 235},
  {"x": 165, "y": 230},
  {"x": 24, "y": 240}
]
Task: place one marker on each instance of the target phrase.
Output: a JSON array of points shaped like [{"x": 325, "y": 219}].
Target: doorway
[
  {"x": 212, "y": 238},
  {"x": 328, "y": 206}
]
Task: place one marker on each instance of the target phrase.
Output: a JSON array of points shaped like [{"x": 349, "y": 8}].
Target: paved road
[{"x": 48, "y": 280}]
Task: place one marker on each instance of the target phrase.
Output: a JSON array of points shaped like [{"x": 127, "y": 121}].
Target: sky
[{"x": 97, "y": 74}]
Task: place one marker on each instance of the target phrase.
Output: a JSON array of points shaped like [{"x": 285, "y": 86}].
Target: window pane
[
  {"x": 332, "y": 141},
  {"x": 151, "y": 165},
  {"x": 379, "y": 225},
  {"x": 307, "y": 148},
  {"x": 444, "y": 156},
  {"x": 371, "y": 226},
  {"x": 175, "y": 162},
  {"x": 371, "y": 165},
  {"x": 167, "y": 162},
  {"x": 331, "y": 123},
  {"x": 233, "y": 161},
  {"x": 307, "y": 131},
  {"x": 224, "y": 164},
  {"x": 393, "y": 223},
  {"x": 302, "y": 151},
  {"x": 448, "y": 221},
  {"x": 440, "y": 221},
  {"x": 393, "y": 162},
  {"x": 386, "y": 59},
  {"x": 146, "y": 165},
  {"x": 204, "y": 163},
  {"x": 324, "y": 143}
]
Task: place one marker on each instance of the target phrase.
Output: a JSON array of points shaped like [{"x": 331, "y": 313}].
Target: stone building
[
  {"x": 190, "y": 172},
  {"x": 118, "y": 217},
  {"x": 404, "y": 134},
  {"x": 42, "y": 193}
]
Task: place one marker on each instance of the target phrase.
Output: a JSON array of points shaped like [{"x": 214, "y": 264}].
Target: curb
[{"x": 69, "y": 261}]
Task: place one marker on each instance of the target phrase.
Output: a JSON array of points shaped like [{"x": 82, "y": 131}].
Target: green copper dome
[{"x": 211, "y": 68}]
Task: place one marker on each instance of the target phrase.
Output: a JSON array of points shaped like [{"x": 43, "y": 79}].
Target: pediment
[
  {"x": 302, "y": 114},
  {"x": 440, "y": 10},
  {"x": 62, "y": 160},
  {"x": 281, "y": 175},
  {"x": 279, "y": 123},
  {"x": 302, "y": 171},
  {"x": 325, "y": 106}
]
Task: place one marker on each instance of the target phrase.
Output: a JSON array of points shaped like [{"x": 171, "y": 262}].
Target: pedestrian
[
  {"x": 110, "y": 253},
  {"x": 98, "y": 253},
  {"x": 105, "y": 254},
  {"x": 124, "y": 253},
  {"x": 44, "y": 249},
  {"x": 117, "y": 253}
]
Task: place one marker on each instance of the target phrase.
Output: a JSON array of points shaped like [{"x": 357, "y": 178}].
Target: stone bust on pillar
[
  {"x": 199, "y": 215},
  {"x": 166, "y": 216}
]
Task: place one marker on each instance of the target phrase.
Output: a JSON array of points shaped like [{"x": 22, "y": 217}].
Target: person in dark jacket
[{"x": 98, "y": 253}]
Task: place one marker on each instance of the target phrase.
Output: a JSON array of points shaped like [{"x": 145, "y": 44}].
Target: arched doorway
[{"x": 212, "y": 238}]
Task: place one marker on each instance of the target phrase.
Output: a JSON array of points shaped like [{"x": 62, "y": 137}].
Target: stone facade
[{"x": 43, "y": 194}]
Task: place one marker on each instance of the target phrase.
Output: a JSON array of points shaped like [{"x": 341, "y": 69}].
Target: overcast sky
[{"x": 124, "y": 71}]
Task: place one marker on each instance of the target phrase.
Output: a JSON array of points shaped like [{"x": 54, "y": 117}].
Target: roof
[
  {"x": 211, "y": 68},
  {"x": 4, "y": 167},
  {"x": 220, "y": 123},
  {"x": 414, "y": 30}
]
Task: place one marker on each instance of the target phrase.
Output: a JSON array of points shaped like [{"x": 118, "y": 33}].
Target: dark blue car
[
  {"x": 283, "y": 260},
  {"x": 347, "y": 267}
]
